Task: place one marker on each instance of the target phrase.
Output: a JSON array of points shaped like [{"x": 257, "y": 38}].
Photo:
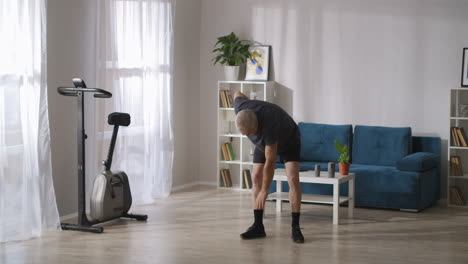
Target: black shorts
[{"x": 293, "y": 153}]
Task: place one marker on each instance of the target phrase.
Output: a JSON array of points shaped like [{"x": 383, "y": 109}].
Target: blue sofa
[{"x": 393, "y": 168}]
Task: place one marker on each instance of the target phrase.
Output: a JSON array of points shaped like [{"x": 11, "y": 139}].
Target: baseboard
[
  {"x": 207, "y": 183},
  {"x": 69, "y": 216},
  {"x": 188, "y": 185},
  {"x": 184, "y": 186},
  {"x": 442, "y": 202}
]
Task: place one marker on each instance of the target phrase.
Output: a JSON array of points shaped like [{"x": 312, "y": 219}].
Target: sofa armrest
[{"x": 419, "y": 161}]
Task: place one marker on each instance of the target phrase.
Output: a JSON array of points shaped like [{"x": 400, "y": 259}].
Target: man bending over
[{"x": 273, "y": 132}]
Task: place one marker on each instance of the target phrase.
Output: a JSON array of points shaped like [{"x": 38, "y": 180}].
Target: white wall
[
  {"x": 385, "y": 62},
  {"x": 71, "y": 38},
  {"x": 186, "y": 91},
  {"x": 70, "y": 53},
  {"x": 382, "y": 62}
]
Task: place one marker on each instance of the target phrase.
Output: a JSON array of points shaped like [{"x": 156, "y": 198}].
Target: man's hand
[
  {"x": 261, "y": 198},
  {"x": 268, "y": 171},
  {"x": 239, "y": 94}
]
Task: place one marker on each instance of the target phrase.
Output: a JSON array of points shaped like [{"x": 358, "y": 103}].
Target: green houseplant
[
  {"x": 231, "y": 52},
  {"x": 343, "y": 159}
]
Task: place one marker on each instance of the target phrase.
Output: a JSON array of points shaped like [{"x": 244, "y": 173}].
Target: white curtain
[
  {"x": 134, "y": 62},
  {"x": 27, "y": 197}
]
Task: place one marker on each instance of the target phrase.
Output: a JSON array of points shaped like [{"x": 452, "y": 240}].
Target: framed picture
[
  {"x": 258, "y": 63},
  {"x": 464, "y": 78}
]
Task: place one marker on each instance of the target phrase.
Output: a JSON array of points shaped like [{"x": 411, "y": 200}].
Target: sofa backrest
[
  {"x": 373, "y": 145},
  {"x": 317, "y": 140}
]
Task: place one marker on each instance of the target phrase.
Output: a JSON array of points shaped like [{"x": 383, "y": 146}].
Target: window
[{"x": 140, "y": 55}]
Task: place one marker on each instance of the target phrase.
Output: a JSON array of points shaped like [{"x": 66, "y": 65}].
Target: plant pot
[
  {"x": 231, "y": 73},
  {"x": 344, "y": 168}
]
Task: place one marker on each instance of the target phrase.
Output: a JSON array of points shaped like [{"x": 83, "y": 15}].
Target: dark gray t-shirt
[{"x": 274, "y": 124}]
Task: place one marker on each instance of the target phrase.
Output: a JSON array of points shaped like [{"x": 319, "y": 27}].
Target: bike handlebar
[{"x": 73, "y": 91}]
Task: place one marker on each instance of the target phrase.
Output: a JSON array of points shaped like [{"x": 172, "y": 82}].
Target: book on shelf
[
  {"x": 228, "y": 152},
  {"x": 231, "y": 151},
  {"x": 462, "y": 130},
  {"x": 453, "y": 169},
  {"x": 456, "y": 196},
  {"x": 454, "y": 137},
  {"x": 230, "y": 100},
  {"x": 247, "y": 182},
  {"x": 224, "y": 152},
  {"x": 226, "y": 148},
  {"x": 459, "y": 166},
  {"x": 456, "y": 166},
  {"x": 225, "y": 180},
  {"x": 228, "y": 172},
  {"x": 220, "y": 99},
  {"x": 225, "y": 98},
  {"x": 461, "y": 138},
  {"x": 223, "y": 177},
  {"x": 458, "y": 137},
  {"x": 226, "y": 177}
]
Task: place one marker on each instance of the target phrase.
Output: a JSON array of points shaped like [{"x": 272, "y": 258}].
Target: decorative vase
[
  {"x": 317, "y": 170},
  {"x": 344, "y": 168},
  {"x": 331, "y": 169},
  {"x": 231, "y": 73}
]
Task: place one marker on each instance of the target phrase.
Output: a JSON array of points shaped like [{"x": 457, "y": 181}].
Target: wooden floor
[{"x": 202, "y": 225}]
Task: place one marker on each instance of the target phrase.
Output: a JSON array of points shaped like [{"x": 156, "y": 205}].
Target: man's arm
[
  {"x": 238, "y": 93},
  {"x": 268, "y": 172}
]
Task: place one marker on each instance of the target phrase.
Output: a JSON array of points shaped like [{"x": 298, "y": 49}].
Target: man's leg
[
  {"x": 295, "y": 197},
  {"x": 257, "y": 180},
  {"x": 257, "y": 230},
  {"x": 295, "y": 194}
]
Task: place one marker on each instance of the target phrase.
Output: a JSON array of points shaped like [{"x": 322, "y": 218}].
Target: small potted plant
[
  {"x": 343, "y": 159},
  {"x": 231, "y": 53}
]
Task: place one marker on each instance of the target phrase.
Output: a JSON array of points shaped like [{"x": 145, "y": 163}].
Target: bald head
[{"x": 246, "y": 122}]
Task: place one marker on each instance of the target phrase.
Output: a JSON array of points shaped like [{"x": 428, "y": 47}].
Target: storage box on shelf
[
  {"x": 235, "y": 150},
  {"x": 457, "y": 181}
]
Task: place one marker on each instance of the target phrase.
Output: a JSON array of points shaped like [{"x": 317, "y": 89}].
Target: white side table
[{"x": 309, "y": 176}]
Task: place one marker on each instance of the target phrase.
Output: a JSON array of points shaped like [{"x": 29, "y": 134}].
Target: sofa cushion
[
  {"x": 374, "y": 145},
  {"x": 317, "y": 141},
  {"x": 383, "y": 179},
  {"x": 419, "y": 161}
]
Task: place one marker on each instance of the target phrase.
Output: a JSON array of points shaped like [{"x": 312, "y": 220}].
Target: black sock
[
  {"x": 258, "y": 214},
  {"x": 295, "y": 218}
]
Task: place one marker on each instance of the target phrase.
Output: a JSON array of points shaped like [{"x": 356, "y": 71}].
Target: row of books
[
  {"x": 458, "y": 137},
  {"x": 456, "y": 166},
  {"x": 456, "y": 196},
  {"x": 247, "y": 182},
  {"x": 225, "y": 99},
  {"x": 227, "y": 180},
  {"x": 228, "y": 152}
]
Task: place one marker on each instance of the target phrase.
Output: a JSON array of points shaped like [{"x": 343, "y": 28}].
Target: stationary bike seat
[{"x": 119, "y": 119}]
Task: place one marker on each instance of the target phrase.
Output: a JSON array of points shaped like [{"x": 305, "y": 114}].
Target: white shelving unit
[
  {"x": 458, "y": 96},
  {"x": 227, "y": 131}
]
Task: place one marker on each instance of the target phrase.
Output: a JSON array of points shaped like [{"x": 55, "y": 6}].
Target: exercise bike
[{"x": 111, "y": 197}]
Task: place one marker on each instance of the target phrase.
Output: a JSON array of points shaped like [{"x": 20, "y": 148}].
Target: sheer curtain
[
  {"x": 134, "y": 62},
  {"x": 27, "y": 197}
]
